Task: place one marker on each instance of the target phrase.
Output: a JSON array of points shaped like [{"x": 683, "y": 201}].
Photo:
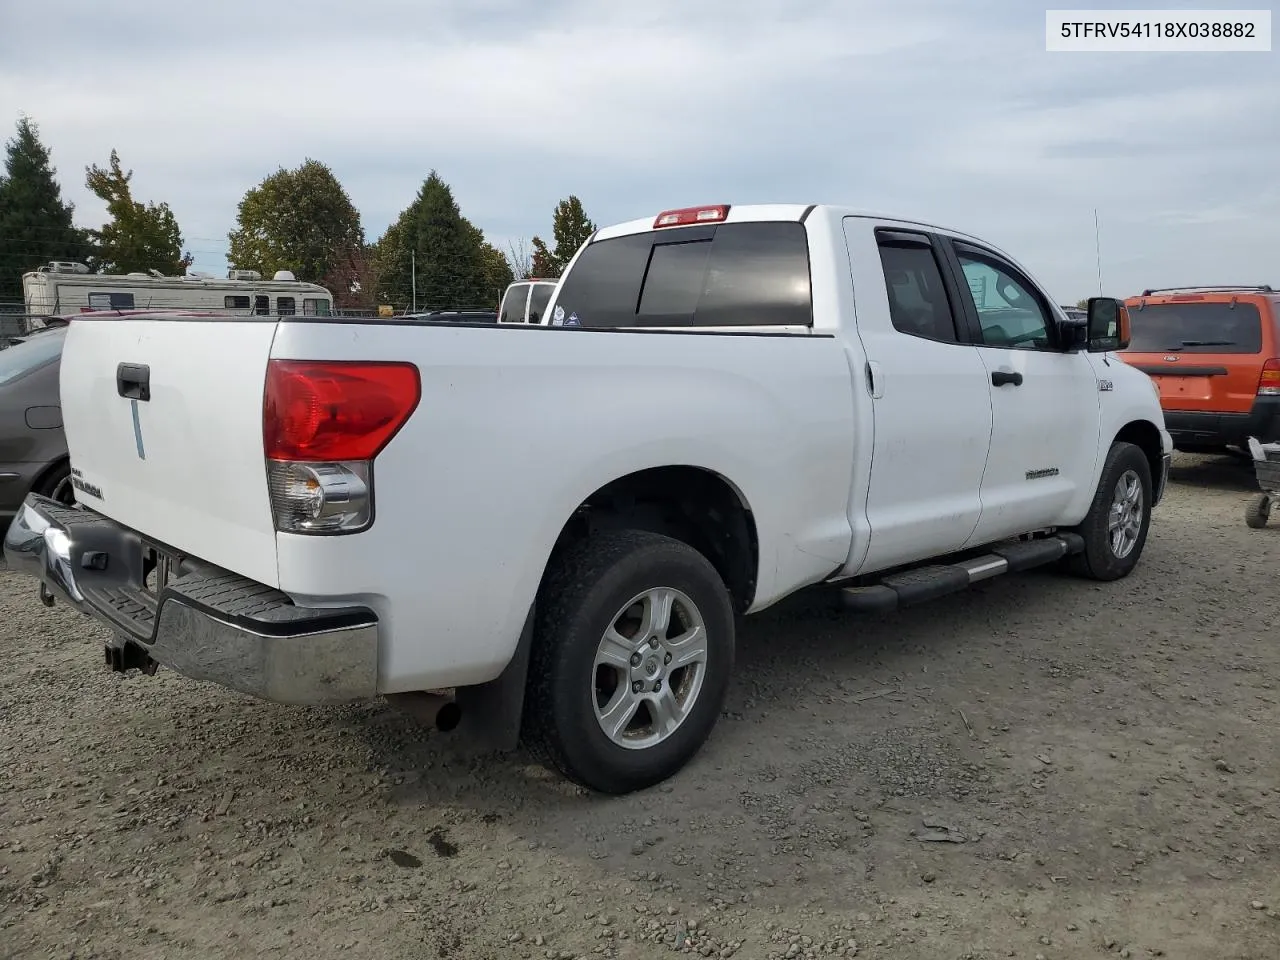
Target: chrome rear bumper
[{"x": 205, "y": 623}]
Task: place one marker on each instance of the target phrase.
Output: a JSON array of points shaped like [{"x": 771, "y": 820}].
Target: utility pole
[{"x": 413, "y": 272}]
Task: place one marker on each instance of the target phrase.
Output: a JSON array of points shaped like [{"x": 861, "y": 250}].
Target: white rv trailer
[{"x": 61, "y": 287}]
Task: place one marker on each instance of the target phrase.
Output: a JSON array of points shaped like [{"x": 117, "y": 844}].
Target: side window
[
  {"x": 513, "y": 304},
  {"x": 111, "y": 301},
  {"x": 1010, "y": 311},
  {"x": 261, "y": 305},
  {"x": 235, "y": 303},
  {"x": 730, "y": 275},
  {"x": 538, "y": 301},
  {"x": 285, "y": 306},
  {"x": 315, "y": 307},
  {"x": 918, "y": 302}
]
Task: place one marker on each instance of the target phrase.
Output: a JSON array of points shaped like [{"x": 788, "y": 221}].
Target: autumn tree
[
  {"x": 570, "y": 229},
  {"x": 447, "y": 252},
  {"x": 299, "y": 220},
  {"x": 139, "y": 237},
  {"x": 353, "y": 280},
  {"x": 543, "y": 262},
  {"x": 35, "y": 223}
]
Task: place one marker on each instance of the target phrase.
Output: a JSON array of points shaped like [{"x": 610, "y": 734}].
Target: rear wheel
[
  {"x": 1115, "y": 528},
  {"x": 632, "y": 658},
  {"x": 1258, "y": 511}
]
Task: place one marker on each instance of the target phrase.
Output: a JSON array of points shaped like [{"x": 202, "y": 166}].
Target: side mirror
[{"x": 1108, "y": 324}]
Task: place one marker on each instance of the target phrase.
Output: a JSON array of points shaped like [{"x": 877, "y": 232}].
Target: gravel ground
[{"x": 1039, "y": 768}]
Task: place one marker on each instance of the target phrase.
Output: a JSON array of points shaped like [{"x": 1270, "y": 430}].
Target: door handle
[
  {"x": 875, "y": 381},
  {"x": 1001, "y": 377},
  {"x": 133, "y": 381}
]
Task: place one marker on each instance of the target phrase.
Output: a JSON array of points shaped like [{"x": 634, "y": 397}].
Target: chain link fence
[{"x": 15, "y": 321}]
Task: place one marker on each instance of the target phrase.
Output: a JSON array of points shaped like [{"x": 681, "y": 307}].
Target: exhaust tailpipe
[{"x": 433, "y": 709}]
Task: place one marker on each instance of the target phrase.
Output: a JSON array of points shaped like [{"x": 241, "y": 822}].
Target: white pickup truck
[{"x": 547, "y": 531}]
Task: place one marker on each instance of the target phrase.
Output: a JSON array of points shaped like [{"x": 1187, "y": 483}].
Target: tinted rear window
[
  {"x": 513, "y": 304},
  {"x": 736, "y": 274},
  {"x": 35, "y": 351},
  {"x": 539, "y": 299},
  {"x": 1200, "y": 327}
]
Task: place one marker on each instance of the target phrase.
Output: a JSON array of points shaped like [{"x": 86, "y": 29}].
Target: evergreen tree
[
  {"x": 432, "y": 237},
  {"x": 35, "y": 223}
]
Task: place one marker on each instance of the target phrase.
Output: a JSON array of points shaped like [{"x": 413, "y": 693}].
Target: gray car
[{"x": 33, "y": 448}]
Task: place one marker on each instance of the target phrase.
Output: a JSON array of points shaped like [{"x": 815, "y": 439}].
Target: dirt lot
[{"x": 1039, "y": 768}]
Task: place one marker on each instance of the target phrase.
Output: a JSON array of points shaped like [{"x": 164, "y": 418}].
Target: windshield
[
  {"x": 29, "y": 353},
  {"x": 1199, "y": 327}
]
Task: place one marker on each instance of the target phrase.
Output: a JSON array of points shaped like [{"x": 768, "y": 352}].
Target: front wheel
[
  {"x": 1115, "y": 528},
  {"x": 633, "y": 652}
]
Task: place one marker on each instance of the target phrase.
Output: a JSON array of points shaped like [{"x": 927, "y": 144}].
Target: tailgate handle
[{"x": 133, "y": 381}]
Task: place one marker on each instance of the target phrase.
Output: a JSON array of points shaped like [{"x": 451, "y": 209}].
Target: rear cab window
[
  {"x": 538, "y": 301},
  {"x": 1196, "y": 326},
  {"x": 514, "y": 303},
  {"x": 722, "y": 275}
]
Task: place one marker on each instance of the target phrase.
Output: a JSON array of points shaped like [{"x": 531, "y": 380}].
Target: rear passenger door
[
  {"x": 929, "y": 394},
  {"x": 1044, "y": 400}
]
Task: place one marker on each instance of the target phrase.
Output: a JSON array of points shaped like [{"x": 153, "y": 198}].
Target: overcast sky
[{"x": 946, "y": 111}]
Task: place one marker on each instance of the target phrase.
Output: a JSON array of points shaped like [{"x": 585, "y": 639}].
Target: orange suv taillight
[{"x": 1269, "y": 382}]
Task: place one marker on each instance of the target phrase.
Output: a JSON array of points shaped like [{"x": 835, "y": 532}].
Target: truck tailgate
[{"x": 175, "y": 450}]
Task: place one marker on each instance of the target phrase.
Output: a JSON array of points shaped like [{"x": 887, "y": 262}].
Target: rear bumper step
[
  {"x": 927, "y": 583},
  {"x": 205, "y": 623}
]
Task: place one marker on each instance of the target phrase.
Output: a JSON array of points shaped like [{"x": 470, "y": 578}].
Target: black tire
[
  {"x": 56, "y": 484},
  {"x": 1258, "y": 511},
  {"x": 1099, "y": 561},
  {"x": 581, "y": 597}
]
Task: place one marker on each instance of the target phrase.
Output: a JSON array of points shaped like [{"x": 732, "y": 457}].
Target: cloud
[{"x": 948, "y": 112}]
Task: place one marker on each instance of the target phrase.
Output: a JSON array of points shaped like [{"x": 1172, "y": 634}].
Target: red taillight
[
  {"x": 335, "y": 410},
  {"x": 691, "y": 215},
  {"x": 1269, "y": 382}
]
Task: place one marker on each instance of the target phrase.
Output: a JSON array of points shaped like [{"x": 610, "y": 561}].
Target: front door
[{"x": 1044, "y": 401}]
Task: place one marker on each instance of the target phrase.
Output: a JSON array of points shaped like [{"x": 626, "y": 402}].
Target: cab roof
[{"x": 759, "y": 212}]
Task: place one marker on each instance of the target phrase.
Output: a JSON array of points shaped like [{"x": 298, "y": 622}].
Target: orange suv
[{"x": 1214, "y": 354}]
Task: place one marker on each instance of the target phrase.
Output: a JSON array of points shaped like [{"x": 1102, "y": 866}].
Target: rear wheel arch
[
  {"x": 697, "y": 506},
  {"x": 694, "y": 505}
]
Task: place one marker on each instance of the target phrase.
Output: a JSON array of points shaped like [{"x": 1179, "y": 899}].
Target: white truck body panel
[
  {"x": 855, "y": 447},
  {"x": 192, "y": 473},
  {"x": 772, "y": 414}
]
